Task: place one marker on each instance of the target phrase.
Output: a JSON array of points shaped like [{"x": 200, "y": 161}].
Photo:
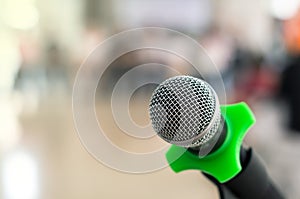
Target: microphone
[{"x": 185, "y": 112}]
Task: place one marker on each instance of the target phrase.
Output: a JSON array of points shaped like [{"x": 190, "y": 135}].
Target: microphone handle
[{"x": 253, "y": 182}]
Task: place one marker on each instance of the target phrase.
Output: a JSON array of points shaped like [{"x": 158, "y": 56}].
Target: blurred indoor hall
[{"x": 254, "y": 46}]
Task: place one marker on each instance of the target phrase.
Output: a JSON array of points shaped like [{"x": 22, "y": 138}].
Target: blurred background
[{"x": 255, "y": 45}]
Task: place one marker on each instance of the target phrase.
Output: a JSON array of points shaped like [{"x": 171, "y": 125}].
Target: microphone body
[{"x": 185, "y": 112}]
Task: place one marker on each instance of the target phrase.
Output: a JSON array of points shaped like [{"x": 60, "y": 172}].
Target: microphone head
[{"x": 185, "y": 111}]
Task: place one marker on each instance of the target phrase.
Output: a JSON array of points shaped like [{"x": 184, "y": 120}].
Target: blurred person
[
  {"x": 56, "y": 70},
  {"x": 119, "y": 67},
  {"x": 290, "y": 79},
  {"x": 255, "y": 82},
  {"x": 290, "y": 82},
  {"x": 146, "y": 58},
  {"x": 128, "y": 61},
  {"x": 30, "y": 79},
  {"x": 220, "y": 48},
  {"x": 91, "y": 38}
]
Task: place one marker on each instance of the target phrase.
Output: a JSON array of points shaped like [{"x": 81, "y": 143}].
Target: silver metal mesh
[{"x": 185, "y": 111}]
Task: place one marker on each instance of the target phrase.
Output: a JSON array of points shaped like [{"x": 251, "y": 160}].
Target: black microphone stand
[{"x": 253, "y": 182}]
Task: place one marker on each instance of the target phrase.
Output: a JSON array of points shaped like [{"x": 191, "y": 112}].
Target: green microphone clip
[{"x": 224, "y": 163}]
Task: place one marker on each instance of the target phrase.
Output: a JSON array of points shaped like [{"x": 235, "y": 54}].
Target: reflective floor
[
  {"x": 42, "y": 156},
  {"x": 49, "y": 161}
]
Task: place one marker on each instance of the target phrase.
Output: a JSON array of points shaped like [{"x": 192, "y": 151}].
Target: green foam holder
[{"x": 224, "y": 163}]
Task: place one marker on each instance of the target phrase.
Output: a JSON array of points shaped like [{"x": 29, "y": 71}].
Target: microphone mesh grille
[{"x": 181, "y": 108}]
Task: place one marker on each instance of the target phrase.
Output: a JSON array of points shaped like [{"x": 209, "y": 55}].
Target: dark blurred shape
[
  {"x": 56, "y": 69},
  {"x": 290, "y": 79},
  {"x": 256, "y": 80},
  {"x": 291, "y": 34},
  {"x": 290, "y": 91}
]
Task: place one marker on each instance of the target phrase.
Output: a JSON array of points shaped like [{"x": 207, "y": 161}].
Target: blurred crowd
[{"x": 42, "y": 64}]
